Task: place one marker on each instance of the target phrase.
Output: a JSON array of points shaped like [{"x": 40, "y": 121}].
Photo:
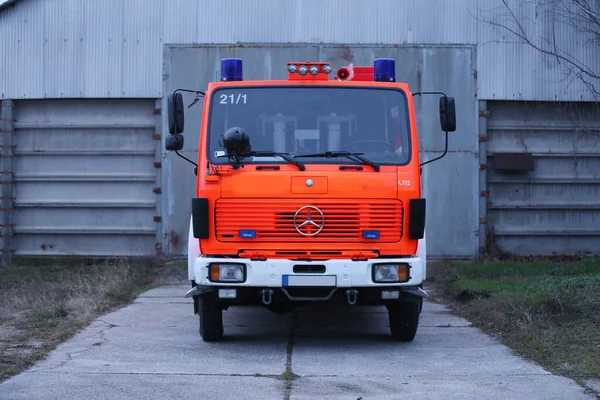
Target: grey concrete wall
[{"x": 450, "y": 184}]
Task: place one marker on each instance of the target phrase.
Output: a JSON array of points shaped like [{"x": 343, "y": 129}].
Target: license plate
[{"x": 309, "y": 280}]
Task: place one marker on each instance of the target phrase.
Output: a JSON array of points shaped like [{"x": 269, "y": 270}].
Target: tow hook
[
  {"x": 352, "y": 295},
  {"x": 267, "y": 296}
]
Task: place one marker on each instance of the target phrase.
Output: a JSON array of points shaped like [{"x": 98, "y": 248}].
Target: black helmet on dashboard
[{"x": 236, "y": 141}]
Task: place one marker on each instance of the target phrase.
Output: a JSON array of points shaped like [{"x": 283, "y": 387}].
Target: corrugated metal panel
[
  {"x": 114, "y": 48},
  {"x": 510, "y": 69},
  {"x": 102, "y": 39},
  {"x": 70, "y": 48},
  {"x": 141, "y": 41},
  {"x": 338, "y": 21},
  {"x": 555, "y": 208},
  {"x": 22, "y": 57},
  {"x": 181, "y": 21},
  {"x": 84, "y": 174},
  {"x": 449, "y": 184},
  {"x": 62, "y": 25}
]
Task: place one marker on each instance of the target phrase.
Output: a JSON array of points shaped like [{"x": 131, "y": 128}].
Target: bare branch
[
  {"x": 594, "y": 17},
  {"x": 582, "y": 15}
]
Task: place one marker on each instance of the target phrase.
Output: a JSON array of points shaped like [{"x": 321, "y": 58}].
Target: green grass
[
  {"x": 287, "y": 375},
  {"x": 548, "y": 311},
  {"x": 44, "y": 303}
]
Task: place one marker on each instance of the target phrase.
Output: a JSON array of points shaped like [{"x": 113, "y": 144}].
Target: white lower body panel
[{"x": 277, "y": 273}]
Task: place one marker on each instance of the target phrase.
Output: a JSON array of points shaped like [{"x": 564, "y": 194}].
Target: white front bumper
[{"x": 271, "y": 273}]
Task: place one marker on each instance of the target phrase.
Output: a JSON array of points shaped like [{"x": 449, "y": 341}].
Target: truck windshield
[{"x": 311, "y": 120}]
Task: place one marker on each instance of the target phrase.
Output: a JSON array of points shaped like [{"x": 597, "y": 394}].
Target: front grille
[{"x": 273, "y": 220}]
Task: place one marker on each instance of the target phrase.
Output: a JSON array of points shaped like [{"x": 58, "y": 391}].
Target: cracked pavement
[{"x": 152, "y": 349}]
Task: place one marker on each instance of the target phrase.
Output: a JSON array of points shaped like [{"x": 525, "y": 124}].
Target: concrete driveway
[{"x": 152, "y": 350}]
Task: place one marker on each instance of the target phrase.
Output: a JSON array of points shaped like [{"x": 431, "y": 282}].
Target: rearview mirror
[
  {"x": 174, "y": 142},
  {"x": 447, "y": 114},
  {"x": 175, "y": 113}
]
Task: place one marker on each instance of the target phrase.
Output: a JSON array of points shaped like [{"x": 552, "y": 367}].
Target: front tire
[
  {"x": 211, "y": 320},
  {"x": 404, "y": 320}
]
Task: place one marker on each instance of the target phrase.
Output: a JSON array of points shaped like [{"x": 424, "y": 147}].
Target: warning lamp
[
  {"x": 308, "y": 70},
  {"x": 384, "y": 70},
  {"x": 231, "y": 69}
]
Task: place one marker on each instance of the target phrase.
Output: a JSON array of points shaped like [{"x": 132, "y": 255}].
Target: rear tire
[
  {"x": 404, "y": 320},
  {"x": 211, "y": 320}
]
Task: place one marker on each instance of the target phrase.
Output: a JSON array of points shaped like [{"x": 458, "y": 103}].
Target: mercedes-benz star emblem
[
  {"x": 311, "y": 212},
  {"x": 309, "y": 182}
]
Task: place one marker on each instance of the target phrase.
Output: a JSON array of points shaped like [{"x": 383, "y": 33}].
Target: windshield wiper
[
  {"x": 285, "y": 156},
  {"x": 347, "y": 154}
]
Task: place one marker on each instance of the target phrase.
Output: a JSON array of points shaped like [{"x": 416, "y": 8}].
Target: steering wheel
[{"x": 353, "y": 145}]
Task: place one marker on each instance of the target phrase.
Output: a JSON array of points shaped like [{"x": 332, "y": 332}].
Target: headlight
[
  {"x": 394, "y": 273},
  {"x": 227, "y": 272}
]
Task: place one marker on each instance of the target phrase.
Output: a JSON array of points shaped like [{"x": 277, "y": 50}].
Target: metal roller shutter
[
  {"x": 85, "y": 177},
  {"x": 554, "y": 208}
]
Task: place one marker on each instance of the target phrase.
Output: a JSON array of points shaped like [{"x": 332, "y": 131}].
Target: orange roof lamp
[{"x": 307, "y": 189}]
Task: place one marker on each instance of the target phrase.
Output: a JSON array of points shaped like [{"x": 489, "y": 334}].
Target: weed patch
[
  {"x": 42, "y": 305},
  {"x": 546, "y": 310}
]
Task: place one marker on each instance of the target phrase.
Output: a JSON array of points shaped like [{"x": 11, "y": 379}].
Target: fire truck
[{"x": 308, "y": 189}]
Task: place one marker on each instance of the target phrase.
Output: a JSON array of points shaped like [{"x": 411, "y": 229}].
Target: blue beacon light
[
  {"x": 384, "y": 70},
  {"x": 231, "y": 69}
]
